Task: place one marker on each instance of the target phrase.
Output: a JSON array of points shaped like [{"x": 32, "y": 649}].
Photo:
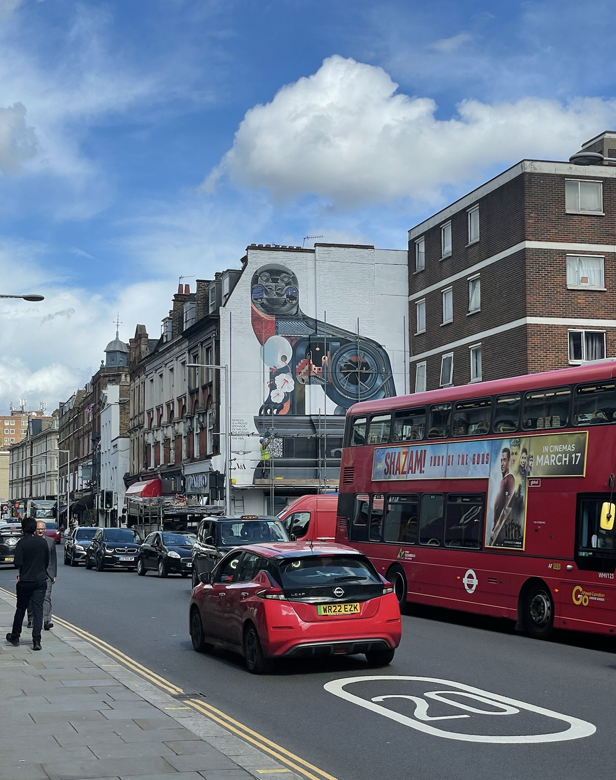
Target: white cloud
[
  {"x": 7, "y": 7},
  {"x": 448, "y": 45},
  {"x": 344, "y": 134},
  {"x": 17, "y": 141}
]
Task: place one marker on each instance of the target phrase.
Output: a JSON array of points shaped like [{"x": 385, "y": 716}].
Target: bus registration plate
[{"x": 338, "y": 609}]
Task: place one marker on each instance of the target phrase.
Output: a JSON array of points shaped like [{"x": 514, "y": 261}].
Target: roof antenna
[{"x": 307, "y": 238}]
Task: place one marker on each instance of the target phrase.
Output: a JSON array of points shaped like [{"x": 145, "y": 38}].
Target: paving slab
[{"x": 90, "y": 718}]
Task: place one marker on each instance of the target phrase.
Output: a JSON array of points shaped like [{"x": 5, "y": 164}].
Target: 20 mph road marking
[{"x": 472, "y": 697}]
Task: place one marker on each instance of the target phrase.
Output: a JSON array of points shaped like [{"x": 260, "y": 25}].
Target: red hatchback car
[{"x": 295, "y": 600}]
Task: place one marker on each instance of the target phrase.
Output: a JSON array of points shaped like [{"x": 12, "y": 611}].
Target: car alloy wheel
[
  {"x": 197, "y": 634},
  {"x": 162, "y": 568},
  {"x": 256, "y": 662},
  {"x": 100, "y": 566}
]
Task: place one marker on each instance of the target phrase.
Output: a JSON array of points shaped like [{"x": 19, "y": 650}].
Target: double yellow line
[{"x": 285, "y": 757}]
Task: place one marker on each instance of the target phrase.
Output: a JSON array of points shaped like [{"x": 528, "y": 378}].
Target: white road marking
[{"x": 577, "y": 729}]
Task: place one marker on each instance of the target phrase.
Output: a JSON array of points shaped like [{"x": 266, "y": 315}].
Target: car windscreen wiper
[{"x": 349, "y": 578}]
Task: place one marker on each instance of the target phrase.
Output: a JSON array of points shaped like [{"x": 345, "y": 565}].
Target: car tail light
[
  {"x": 388, "y": 588},
  {"x": 274, "y": 593}
]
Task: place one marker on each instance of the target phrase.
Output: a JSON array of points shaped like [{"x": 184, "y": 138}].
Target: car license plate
[
  {"x": 337, "y": 609},
  {"x": 189, "y": 564},
  {"x": 126, "y": 558},
  {"x": 9, "y": 560}
]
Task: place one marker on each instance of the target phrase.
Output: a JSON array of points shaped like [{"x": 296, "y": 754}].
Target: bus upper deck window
[
  {"x": 358, "y": 436},
  {"x": 378, "y": 431},
  {"x": 440, "y": 416},
  {"x": 546, "y": 409},
  {"x": 472, "y": 418},
  {"x": 595, "y": 404},
  {"x": 409, "y": 425},
  {"x": 507, "y": 413}
]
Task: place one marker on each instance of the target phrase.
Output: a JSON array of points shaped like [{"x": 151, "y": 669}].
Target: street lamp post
[
  {"x": 224, "y": 369},
  {"x": 32, "y": 298}
]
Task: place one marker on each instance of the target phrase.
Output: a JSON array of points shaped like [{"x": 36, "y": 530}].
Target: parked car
[
  {"x": 52, "y": 530},
  {"x": 166, "y": 553},
  {"x": 295, "y": 600},
  {"x": 217, "y": 535},
  {"x": 77, "y": 543},
  {"x": 10, "y": 534},
  {"x": 311, "y": 517},
  {"x": 113, "y": 548}
]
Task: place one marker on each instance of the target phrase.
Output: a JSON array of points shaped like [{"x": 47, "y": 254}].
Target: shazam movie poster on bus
[
  {"x": 507, "y": 464},
  {"x": 506, "y": 507}
]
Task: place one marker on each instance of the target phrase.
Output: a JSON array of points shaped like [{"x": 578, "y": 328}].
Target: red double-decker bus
[{"x": 495, "y": 498}]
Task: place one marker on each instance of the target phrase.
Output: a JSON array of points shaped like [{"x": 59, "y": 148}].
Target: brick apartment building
[
  {"x": 14, "y": 426},
  {"x": 519, "y": 275}
]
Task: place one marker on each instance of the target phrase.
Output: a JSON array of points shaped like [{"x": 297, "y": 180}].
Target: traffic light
[
  {"x": 217, "y": 486},
  {"x": 108, "y": 499}
]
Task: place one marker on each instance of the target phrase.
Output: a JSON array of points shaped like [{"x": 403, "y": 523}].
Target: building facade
[
  {"x": 14, "y": 427},
  {"x": 250, "y": 381},
  {"x": 80, "y": 433},
  {"x": 114, "y": 455},
  {"x": 516, "y": 277},
  {"x": 33, "y": 464}
]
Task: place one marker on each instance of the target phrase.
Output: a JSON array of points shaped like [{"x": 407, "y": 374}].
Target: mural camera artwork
[{"x": 301, "y": 355}]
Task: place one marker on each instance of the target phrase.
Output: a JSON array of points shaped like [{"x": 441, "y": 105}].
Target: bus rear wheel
[
  {"x": 538, "y": 611},
  {"x": 398, "y": 579}
]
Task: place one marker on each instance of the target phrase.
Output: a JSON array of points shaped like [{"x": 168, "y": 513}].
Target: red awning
[{"x": 149, "y": 489}]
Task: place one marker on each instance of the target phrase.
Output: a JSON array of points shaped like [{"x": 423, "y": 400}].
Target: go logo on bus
[
  {"x": 452, "y": 710},
  {"x": 582, "y": 597}
]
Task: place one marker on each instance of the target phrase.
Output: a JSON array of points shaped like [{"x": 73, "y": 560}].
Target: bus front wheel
[
  {"x": 398, "y": 579},
  {"x": 538, "y": 610}
]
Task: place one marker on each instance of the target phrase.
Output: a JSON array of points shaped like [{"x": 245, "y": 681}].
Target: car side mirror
[
  {"x": 209, "y": 540},
  {"x": 205, "y": 578},
  {"x": 292, "y": 537}
]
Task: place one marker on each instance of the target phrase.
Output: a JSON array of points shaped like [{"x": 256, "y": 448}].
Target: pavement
[{"x": 72, "y": 712}]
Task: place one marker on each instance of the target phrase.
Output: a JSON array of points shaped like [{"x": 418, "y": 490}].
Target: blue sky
[{"x": 141, "y": 141}]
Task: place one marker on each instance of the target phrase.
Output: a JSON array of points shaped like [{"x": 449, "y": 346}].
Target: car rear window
[
  {"x": 85, "y": 533},
  {"x": 51, "y": 526},
  {"x": 326, "y": 570}
]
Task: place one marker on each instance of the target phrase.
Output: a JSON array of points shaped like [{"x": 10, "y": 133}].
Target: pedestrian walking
[
  {"x": 32, "y": 560},
  {"x": 52, "y": 573}
]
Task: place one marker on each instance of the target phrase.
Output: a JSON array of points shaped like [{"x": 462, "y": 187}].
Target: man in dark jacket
[
  {"x": 32, "y": 560},
  {"x": 52, "y": 573}
]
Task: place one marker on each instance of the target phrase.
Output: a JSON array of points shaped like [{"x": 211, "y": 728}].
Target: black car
[
  {"x": 217, "y": 535},
  {"x": 10, "y": 534},
  {"x": 115, "y": 548},
  {"x": 166, "y": 553},
  {"x": 76, "y": 545}
]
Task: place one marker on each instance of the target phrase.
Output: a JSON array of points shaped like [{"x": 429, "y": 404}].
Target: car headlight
[
  {"x": 173, "y": 554},
  {"x": 109, "y": 549},
  {"x": 79, "y": 547},
  {"x": 11, "y": 542}
]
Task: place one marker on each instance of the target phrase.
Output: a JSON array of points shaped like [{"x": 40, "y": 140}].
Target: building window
[
  {"x": 6, "y": 430},
  {"x": 12, "y": 422},
  {"x": 420, "y": 377},
  {"x": 474, "y": 294},
  {"x": 586, "y": 345},
  {"x": 420, "y": 254},
  {"x": 420, "y": 308},
  {"x": 585, "y": 271},
  {"x": 446, "y": 240},
  {"x": 447, "y": 305},
  {"x": 475, "y": 355},
  {"x": 447, "y": 369},
  {"x": 583, "y": 197},
  {"x": 473, "y": 225}
]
